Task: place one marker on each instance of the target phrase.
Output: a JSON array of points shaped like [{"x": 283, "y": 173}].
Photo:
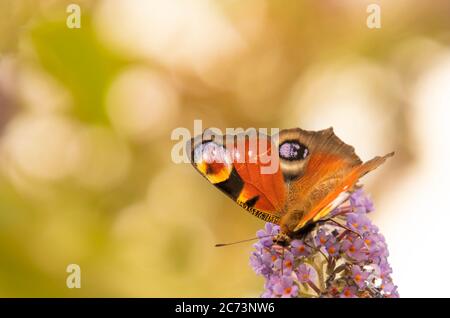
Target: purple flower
[
  {"x": 360, "y": 202},
  {"x": 385, "y": 269},
  {"x": 354, "y": 248},
  {"x": 306, "y": 273},
  {"x": 333, "y": 248},
  {"x": 348, "y": 292},
  {"x": 266, "y": 236},
  {"x": 359, "y": 276},
  {"x": 298, "y": 248},
  {"x": 371, "y": 242},
  {"x": 285, "y": 262},
  {"x": 330, "y": 260},
  {"x": 321, "y": 238},
  {"x": 389, "y": 289},
  {"x": 261, "y": 262},
  {"x": 285, "y": 287},
  {"x": 267, "y": 294},
  {"x": 357, "y": 222}
]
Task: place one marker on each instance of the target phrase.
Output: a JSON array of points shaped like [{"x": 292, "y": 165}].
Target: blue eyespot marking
[
  {"x": 293, "y": 150},
  {"x": 210, "y": 152}
]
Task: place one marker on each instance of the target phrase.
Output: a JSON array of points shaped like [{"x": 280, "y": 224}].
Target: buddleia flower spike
[{"x": 330, "y": 261}]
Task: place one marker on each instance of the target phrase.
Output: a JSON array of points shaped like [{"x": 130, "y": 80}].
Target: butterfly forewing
[{"x": 234, "y": 165}]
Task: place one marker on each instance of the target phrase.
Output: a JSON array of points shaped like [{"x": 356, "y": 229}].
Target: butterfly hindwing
[{"x": 321, "y": 180}]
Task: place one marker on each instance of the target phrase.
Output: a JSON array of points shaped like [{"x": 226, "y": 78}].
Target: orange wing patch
[{"x": 262, "y": 192}]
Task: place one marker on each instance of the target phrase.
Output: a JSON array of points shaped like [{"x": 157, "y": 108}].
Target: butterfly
[{"x": 314, "y": 173}]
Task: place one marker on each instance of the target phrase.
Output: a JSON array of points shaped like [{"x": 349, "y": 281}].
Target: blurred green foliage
[{"x": 78, "y": 61}]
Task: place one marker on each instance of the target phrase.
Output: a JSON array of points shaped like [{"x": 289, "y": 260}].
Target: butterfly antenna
[
  {"x": 242, "y": 241},
  {"x": 348, "y": 209}
]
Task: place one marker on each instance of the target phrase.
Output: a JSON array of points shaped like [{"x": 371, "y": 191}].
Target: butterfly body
[{"x": 293, "y": 179}]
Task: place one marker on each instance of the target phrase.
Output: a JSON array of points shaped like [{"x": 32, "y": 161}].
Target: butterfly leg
[
  {"x": 320, "y": 251},
  {"x": 283, "y": 241}
]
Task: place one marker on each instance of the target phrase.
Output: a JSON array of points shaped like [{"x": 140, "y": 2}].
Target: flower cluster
[{"x": 343, "y": 257}]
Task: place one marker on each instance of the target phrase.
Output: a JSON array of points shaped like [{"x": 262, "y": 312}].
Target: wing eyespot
[{"x": 292, "y": 150}]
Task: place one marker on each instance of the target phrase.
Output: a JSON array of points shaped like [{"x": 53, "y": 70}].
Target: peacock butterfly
[{"x": 315, "y": 172}]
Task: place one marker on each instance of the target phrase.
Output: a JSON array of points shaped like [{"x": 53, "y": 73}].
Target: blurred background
[{"x": 86, "y": 116}]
